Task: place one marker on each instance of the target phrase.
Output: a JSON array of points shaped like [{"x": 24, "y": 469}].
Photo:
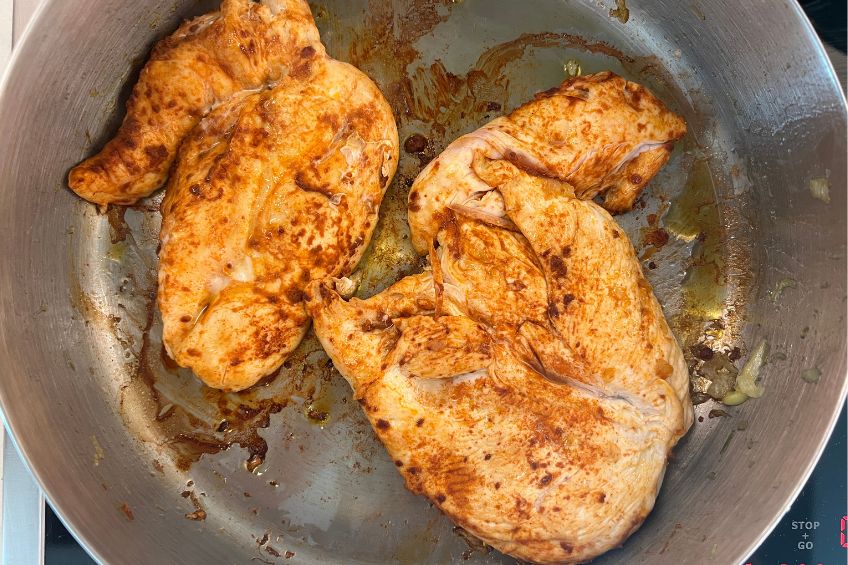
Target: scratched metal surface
[{"x": 145, "y": 465}]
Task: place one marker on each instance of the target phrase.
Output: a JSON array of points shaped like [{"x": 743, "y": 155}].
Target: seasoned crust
[
  {"x": 244, "y": 46},
  {"x": 271, "y": 191}
]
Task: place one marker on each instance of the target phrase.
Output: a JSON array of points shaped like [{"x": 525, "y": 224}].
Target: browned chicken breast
[
  {"x": 540, "y": 424},
  {"x": 600, "y": 133},
  {"x": 529, "y": 385},
  {"x": 244, "y": 46},
  {"x": 270, "y": 191}
]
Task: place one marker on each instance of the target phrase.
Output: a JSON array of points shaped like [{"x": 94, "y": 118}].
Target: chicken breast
[
  {"x": 528, "y": 385},
  {"x": 600, "y": 133},
  {"x": 270, "y": 191},
  {"x": 244, "y": 46},
  {"x": 541, "y": 427}
]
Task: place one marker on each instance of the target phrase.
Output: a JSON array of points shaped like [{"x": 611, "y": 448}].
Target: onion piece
[
  {"x": 572, "y": 68},
  {"x": 346, "y": 287},
  {"x": 811, "y": 376},
  {"x": 734, "y": 398},
  {"x": 820, "y": 189},
  {"x": 782, "y": 285},
  {"x": 746, "y": 381},
  {"x": 722, "y": 375}
]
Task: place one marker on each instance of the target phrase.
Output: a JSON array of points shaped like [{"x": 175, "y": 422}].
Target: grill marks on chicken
[
  {"x": 529, "y": 386},
  {"x": 271, "y": 190},
  {"x": 600, "y": 133},
  {"x": 244, "y": 46}
]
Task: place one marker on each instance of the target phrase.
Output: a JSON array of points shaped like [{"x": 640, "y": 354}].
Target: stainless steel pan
[{"x": 145, "y": 466}]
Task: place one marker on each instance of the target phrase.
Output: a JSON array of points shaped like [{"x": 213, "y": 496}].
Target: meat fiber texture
[{"x": 527, "y": 383}]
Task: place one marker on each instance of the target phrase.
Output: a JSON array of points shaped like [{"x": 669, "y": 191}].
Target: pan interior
[
  {"x": 291, "y": 467},
  {"x": 296, "y": 454}
]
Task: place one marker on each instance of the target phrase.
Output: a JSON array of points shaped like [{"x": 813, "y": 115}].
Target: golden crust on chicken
[
  {"x": 244, "y": 46},
  {"x": 528, "y": 385},
  {"x": 270, "y": 191},
  {"x": 545, "y": 438},
  {"x": 600, "y": 133}
]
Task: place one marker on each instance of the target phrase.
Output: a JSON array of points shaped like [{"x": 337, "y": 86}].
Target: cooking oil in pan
[{"x": 693, "y": 217}]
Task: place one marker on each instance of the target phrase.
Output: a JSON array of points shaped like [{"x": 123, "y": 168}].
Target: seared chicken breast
[
  {"x": 244, "y": 46},
  {"x": 542, "y": 424},
  {"x": 600, "y": 133},
  {"x": 284, "y": 157},
  {"x": 270, "y": 191},
  {"x": 528, "y": 385}
]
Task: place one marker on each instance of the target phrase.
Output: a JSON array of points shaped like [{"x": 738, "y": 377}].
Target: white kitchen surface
[
  {"x": 6, "y": 30},
  {"x": 6, "y": 26},
  {"x": 21, "y": 501},
  {"x": 23, "y": 12}
]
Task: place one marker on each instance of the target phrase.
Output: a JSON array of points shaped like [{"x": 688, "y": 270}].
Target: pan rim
[{"x": 94, "y": 542}]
